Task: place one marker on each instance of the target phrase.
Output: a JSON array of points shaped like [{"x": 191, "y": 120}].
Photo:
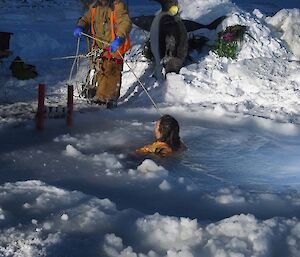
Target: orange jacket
[{"x": 106, "y": 24}]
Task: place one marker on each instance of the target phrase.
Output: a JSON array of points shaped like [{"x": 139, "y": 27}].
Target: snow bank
[
  {"x": 287, "y": 24},
  {"x": 56, "y": 217},
  {"x": 262, "y": 82},
  {"x": 240, "y": 235},
  {"x": 205, "y": 11},
  {"x": 258, "y": 40},
  {"x": 265, "y": 87}
]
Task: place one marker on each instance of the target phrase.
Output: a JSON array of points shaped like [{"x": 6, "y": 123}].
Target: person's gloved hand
[
  {"x": 114, "y": 45},
  {"x": 77, "y": 31}
]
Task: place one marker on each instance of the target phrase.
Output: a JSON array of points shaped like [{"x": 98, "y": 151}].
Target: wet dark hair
[{"x": 169, "y": 129}]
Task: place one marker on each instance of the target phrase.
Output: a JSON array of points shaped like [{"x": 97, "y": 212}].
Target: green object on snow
[{"x": 228, "y": 41}]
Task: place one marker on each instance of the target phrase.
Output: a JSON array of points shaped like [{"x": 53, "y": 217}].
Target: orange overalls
[{"x": 105, "y": 24}]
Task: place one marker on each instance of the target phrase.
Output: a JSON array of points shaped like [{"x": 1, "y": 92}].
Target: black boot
[
  {"x": 98, "y": 102},
  {"x": 111, "y": 104}
]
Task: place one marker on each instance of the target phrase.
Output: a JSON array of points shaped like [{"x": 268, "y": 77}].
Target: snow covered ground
[{"x": 81, "y": 191}]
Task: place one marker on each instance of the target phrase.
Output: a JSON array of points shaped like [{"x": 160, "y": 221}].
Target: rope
[
  {"x": 139, "y": 81},
  {"x": 75, "y": 59},
  {"x": 69, "y": 57}
]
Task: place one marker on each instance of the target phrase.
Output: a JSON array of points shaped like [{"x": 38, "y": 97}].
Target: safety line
[
  {"x": 139, "y": 81},
  {"x": 75, "y": 59}
]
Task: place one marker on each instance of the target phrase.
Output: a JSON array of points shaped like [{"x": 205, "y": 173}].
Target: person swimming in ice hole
[{"x": 167, "y": 138}]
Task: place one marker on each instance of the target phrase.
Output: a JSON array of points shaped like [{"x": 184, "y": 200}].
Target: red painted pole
[
  {"x": 70, "y": 105},
  {"x": 41, "y": 107}
]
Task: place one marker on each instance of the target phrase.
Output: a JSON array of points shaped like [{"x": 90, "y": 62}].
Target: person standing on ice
[{"x": 109, "y": 22}]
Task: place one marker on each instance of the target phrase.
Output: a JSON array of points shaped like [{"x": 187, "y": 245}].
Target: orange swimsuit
[{"x": 161, "y": 149}]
